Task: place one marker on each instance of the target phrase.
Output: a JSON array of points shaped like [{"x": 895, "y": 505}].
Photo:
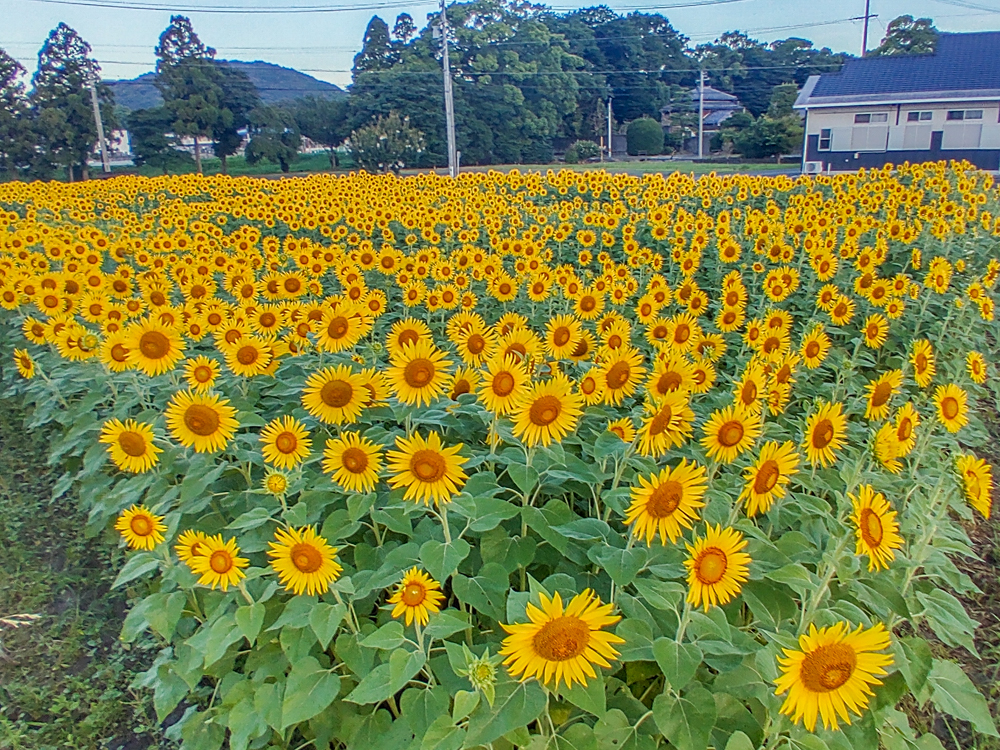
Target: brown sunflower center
[
  {"x": 545, "y": 410},
  {"x": 247, "y": 355},
  {"x": 306, "y": 558},
  {"x": 286, "y": 442},
  {"x": 203, "y": 374},
  {"x": 767, "y": 477},
  {"x": 871, "y": 527},
  {"x": 413, "y": 594},
  {"x": 748, "y": 393},
  {"x": 428, "y": 465},
  {"x": 561, "y": 336},
  {"x": 503, "y": 384},
  {"x": 618, "y": 375},
  {"x": 460, "y": 387},
  {"x": 669, "y": 381},
  {"x": 731, "y": 433},
  {"x": 141, "y": 526},
  {"x": 201, "y": 420},
  {"x": 132, "y": 443},
  {"x": 221, "y": 561},
  {"x": 949, "y": 407},
  {"x": 409, "y": 336},
  {"x": 920, "y": 362},
  {"x": 268, "y": 319},
  {"x": 154, "y": 345},
  {"x": 336, "y": 393},
  {"x": 822, "y": 434},
  {"x": 475, "y": 343},
  {"x": 337, "y": 328},
  {"x": 710, "y": 566},
  {"x": 905, "y": 429},
  {"x": 588, "y": 303},
  {"x": 354, "y": 460},
  {"x": 564, "y": 638},
  {"x": 682, "y": 333},
  {"x": 665, "y": 499},
  {"x": 881, "y": 394},
  {"x": 828, "y": 667},
  {"x": 418, "y": 372}
]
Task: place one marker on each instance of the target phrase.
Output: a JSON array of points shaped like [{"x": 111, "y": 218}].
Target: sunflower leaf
[
  {"x": 308, "y": 691},
  {"x": 516, "y": 704},
  {"x": 955, "y": 694},
  {"x": 443, "y": 558},
  {"x": 677, "y": 660},
  {"x": 686, "y": 721}
]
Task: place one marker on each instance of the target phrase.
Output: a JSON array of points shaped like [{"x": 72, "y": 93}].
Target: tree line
[{"x": 526, "y": 80}]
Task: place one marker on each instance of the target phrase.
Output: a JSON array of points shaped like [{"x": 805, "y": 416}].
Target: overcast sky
[{"x": 324, "y": 44}]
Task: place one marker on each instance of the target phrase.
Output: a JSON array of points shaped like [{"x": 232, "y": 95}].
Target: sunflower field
[{"x": 561, "y": 460}]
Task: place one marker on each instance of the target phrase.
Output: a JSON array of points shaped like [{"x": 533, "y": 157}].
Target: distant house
[
  {"x": 887, "y": 110},
  {"x": 718, "y": 107}
]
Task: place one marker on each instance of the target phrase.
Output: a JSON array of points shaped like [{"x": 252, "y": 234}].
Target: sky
[{"x": 323, "y": 44}]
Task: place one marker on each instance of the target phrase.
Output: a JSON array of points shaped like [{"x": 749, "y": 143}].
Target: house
[
  {"x": 718, "y": 107},
  {"x": 887, "y": 110}
]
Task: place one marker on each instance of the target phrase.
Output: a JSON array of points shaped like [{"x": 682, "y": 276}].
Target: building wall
[{"x": 834, "y": 136}]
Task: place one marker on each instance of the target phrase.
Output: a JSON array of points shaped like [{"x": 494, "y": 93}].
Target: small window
[
  {"x": 918, "y": 116},
  {"x": 973, "y": 114},
  {"x": 956, "y": 114},
  {"x": 880, "y": 117},
  {"x": 862, "y": 118},
  {"x": 825, "y": 137}
]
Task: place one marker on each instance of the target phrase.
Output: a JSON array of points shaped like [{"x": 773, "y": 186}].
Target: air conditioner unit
[{"x": 813, "y": 167}]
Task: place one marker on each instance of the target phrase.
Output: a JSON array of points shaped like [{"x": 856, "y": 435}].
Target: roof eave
[{"x": 893, "y": 98}]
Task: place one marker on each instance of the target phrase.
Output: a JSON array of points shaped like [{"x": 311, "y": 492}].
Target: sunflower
[
  {"x": 418, "y": 373},
  {"x": 218, "y": 563},
  {"x": 751, "y": 388},
  {"x": 286, "y": 442},
  {"x": 547, "y": 413},
  {"x": 427, "y": 469},
  {"x": 154, "y": 348},
  {"x": 815, "y": 346},
  {"x": 832, "y": 673},
  {"x": 353, "y": 462},
  {"x": 502, "y": 384},
  {"x": 624, "y": 428},
  {"x": 335, "y": 395},
  {"x": 465, "y": 380},
  {"x": 716, "y": 567},
  {"x": 952, "y": 406},
  {"x": 922, "y": 359},
  {"x": 342, "y": 328},
  {"x": 875, "y": 330},
  {"x": 140, "y": 528},
  {"x": 767, "y": 478},
  {"x": 25, "y": 364},
  {"x": 130, "y": 445},
  {"x": 907, "y": 421},
  {"x": 668, "y": 424},
  {"x": 416, "y": 597},
  {"x": 407, "y": 332},
  {"x": 621, "y": 374},
  {"x": 562, "y": 334},
  {"x": 826, "y": 433},
  {"x": 475, "y": 346},
  {"x": 730, "y": 432},
  {"x": 206, "y": 423},
  {"x": 304, "y": 561},
  {"x": 875, "y": 527},
  {"x": 672, "y": 372},
  {"x": 248, "y": 357},
  {"x": 201, "y": 373},
  {"x": 189, "y": 544},
  {"x": 562, "y": 643},
  {"x": 667, "y": 502},
  {"x": 275, "y": 483},
  {"x": 977, "y": 482},
  {"x": 975, "y": 364},
  {"x": 879, "y": 391}
]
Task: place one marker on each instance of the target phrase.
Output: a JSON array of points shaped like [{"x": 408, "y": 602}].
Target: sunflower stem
[
  {"x": 684, "y": 622},
  {"x": 246, "y": 594},
  {"x": 831, "y": 568}
]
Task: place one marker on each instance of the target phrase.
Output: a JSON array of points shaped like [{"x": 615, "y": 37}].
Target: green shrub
[{"x": 645, "y": 136}]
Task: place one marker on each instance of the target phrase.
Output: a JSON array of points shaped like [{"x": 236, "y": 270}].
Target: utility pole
[
  {"x": 449, "y": 101},
  {"x": 864, "y": 36},
  {"x": 610, "y": 96},
  {"x": 105, "y": 160},
  {"x": 701, "y": 113}
]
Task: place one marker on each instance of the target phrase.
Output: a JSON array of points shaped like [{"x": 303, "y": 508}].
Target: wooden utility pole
[
  {"x": 449, "y": 101},
  {"x": 864, "y": 36},
  {"x": 105, "y": 158},
  {"x": 610, "y": 152},
  {"x": 701, "y": 113}
]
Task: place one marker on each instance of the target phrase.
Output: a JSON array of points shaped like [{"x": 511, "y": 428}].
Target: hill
[{"x": 274, "y": 83}]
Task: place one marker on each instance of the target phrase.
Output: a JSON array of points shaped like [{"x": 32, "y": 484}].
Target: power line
[{"x": 229, "y": 9}]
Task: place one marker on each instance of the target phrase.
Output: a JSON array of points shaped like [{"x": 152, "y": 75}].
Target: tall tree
[
  {"x": 273, "y": 136},
  {"x": 149, "y": 140},
  {"x": 404, "y": 28},
  {"x": 324, "y": 121},
  {"x": 907, "y": 36},
  {"x": 239, "y": 98},
  {"x": 14, "y": 141},
  {"x": 189, "y": 81},
  {"x": 376, "y": 52},
  {"x": 62, "y": 102}
]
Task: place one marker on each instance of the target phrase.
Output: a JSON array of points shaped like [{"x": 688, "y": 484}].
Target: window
[
  {"x": 973, "y": 114},
  {"x": 956, "y": 114},
  {"x": 871, "y": 117},
  {"x": 918, "y": 116},
  {"x": 825, "y": 137},
  {"x": 963, "y": 136}
]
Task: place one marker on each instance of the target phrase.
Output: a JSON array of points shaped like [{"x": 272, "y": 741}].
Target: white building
[{"x": 882, "y": 110}]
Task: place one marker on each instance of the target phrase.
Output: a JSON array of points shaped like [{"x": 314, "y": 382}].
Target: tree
[
  {"x": 377, "y": 52},
  {"x": 64, "y": 114},
  {"x": 782, "y": 99},
  {"x": 238, "y": 99},
  {"x": 404, "y": 28},
  {"x": 151, "y": 145},
  {"x": 769, "y": 137},
  {"x": 907, "y": 36},
  {"x": 273, "y": 136},
  {"x": 645, "y": 137},
  {"x": 15, "y": 143},
  {"x": 189, "y": 81},
  {"x": 324, "y": 121},
  {"x": 387, "y": 144}
]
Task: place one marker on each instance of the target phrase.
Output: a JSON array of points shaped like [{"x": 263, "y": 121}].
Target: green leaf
[
  {"x": 638, "y": 637},
  {"x": 251, "y": 519},
  {"x": 445, "y": 623},
  {"x": 164, "y": 618},
  {"x": 421, "y": 706},
  {"x": 686, "y": 721},
  {"x": 614, "y": 730},
  {"x": 324, "y": 621},
  {"x": 487, "y": 592},
  {"x": 442, "y": 559},
  {"x": 250, "y": 619},
  {"x": 442, "y": 734},
  {"x": 954, "y": 693},
  {"x": 308, "y": 691},
  {"x": 267, "y": 701},
  {"x": 388, "y": 637},
  {"x": 388, "y": 679},
  {"x": 201, "y": 732},
  {"x": 136, "y": 566},
  {"x": 590, "y": 698},
  {"x": 677, "y": 660},
  {"x": 525, "y": 477},
  {"x": 623, "y": 565},
  {"x": 664, "y": 595},
  {"x": 245, "y": 724},
  {"x": 169, "y": 691},
  {"x": 516, "y": 705},
  {"x": 949, "y": 619},
  {"x": 490, "y": 512},
  {"x": 739, "y": 741},
  {"x": 221, "y": 634},
  {"x": 913, "y": 658},
  {"x": 465, "y": 703},
  {"x": 794, "y": 576}
]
